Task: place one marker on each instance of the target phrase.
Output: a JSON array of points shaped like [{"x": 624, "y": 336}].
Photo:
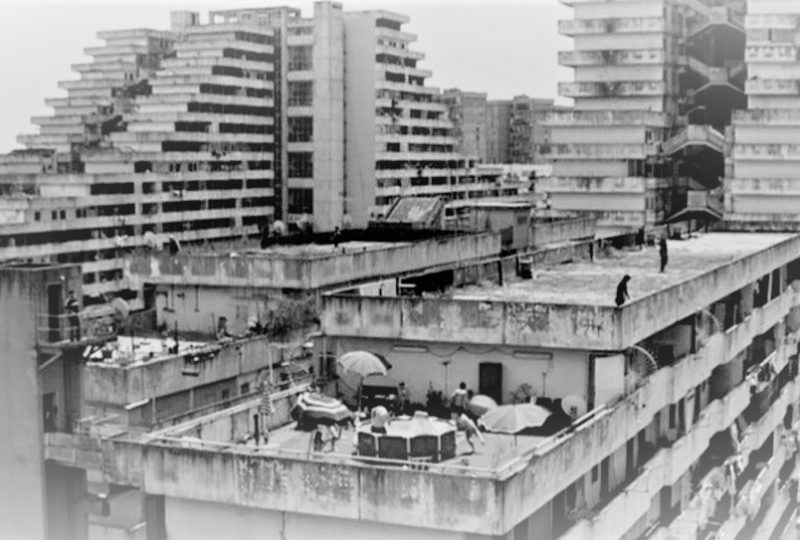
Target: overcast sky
[{"x": 503, "y": 47}]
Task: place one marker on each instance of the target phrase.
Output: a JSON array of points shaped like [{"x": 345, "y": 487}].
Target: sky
[{"x": 502, "y": 47}]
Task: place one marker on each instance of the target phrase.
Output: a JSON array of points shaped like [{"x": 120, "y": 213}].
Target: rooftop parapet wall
[
  {"x": 115, "y": 385},
  {"x": 309, "y": 272},
  {"x": 473, "y": 321}
]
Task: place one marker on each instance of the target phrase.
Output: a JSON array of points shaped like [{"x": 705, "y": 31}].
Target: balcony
[
  {"x": 771, "y": 21},
  {"x": 577, "y": 27},
  {"x": 770, "y": 152},
  {"x": 771, "y": 53},
  {"x": 604, "y": 118},
  {"x": 612, "y": 57},
  {"x": 611, "y": 89},
  {"x": 772, "y": 87},
  {"x": 602, "y": 151}
]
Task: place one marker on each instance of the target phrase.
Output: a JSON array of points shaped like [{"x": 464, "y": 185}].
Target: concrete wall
[
  {"x": 562, "y": 230},
  {"x": 328, "y": 112},
  {"x": 22, "y": 513},
  {"x": 360, "y": 132},
  {"x": 552, "y": 373},
  {"x": 110, "y": 387},
  {"x": 473, "y": 321},
  {"x": 309, "y": 272},
  {"x": 206, "y": 521}
]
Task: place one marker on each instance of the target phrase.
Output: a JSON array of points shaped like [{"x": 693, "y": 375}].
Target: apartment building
[
  {"x": 469, "y": 114},
  {"x": 761, "y": 183},
  {"x": 167, "y": 135},
  {"x": 214, "y": 130},
  {"x": 655, "y": 85},
  {"x": 683, "y": 412}
]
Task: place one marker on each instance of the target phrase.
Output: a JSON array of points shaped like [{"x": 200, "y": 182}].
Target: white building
[
  {"x": 655, "y": 83},
  {"x": 762, "y": 182}
]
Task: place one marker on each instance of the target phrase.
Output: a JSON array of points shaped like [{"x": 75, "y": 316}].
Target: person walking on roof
[
  {"x": 662, "y": 251},
  {"x": 622, "y": 290}
]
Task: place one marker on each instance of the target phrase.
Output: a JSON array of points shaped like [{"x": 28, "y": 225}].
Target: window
[
  {"x": 595, "y": 473},
  {"x": 301, "y": 129},
  {"x": 301, "y": 201},
  {"x": 245, "y": 389},
  {"x": 300, "y": 58},
  {"x": 301, "y": 165},
  {"x": 301, "y": 93},
  {"x": 54, "y": 214},
  {"x": 672, "y": 410},
  {"x": 37, "y": 216},
  {"x": 226, "y": 394}
]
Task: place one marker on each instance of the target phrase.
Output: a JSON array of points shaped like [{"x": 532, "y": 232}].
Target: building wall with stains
[
  {"x": 551, "y": 373},
  {"x": 472, "y": 321}
]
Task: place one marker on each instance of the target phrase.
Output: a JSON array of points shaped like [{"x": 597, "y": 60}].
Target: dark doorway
[
  {"x": 55, "y": 295},
  {"x": 49, "y": 410},
  {"x": 490, "y": 380},
  {"x": 604, "y": 480}
]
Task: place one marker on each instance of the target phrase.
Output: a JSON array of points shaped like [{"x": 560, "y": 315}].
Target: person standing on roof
[
  {"x": 458, "y": 402},
  {"x": 72, "y": 308},
  {"x": 662, "y": 251},
  {"x": 622, "y": 290}
]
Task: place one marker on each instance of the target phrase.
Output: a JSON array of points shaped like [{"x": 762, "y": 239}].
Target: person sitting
[{"x": 380, "y": 419}]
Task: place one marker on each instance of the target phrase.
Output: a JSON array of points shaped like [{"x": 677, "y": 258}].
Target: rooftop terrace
[
  {"x": 595, "y": 283},
  {"x": 573, "y": 303}
]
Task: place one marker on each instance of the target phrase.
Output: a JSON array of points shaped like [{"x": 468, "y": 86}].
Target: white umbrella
[
  {"x": 362, "y": 363},
  {"x": 514, "y": 418},
  {"x": 480, "y": 404}
]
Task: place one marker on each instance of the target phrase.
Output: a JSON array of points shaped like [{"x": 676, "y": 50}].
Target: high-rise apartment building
[
  {"x": 656, "y": 82},
  {"x": 469, "y": 113},
  {"x": 761, "y": 184},
  {"x": 215, "y": 130},
  {"x": 166, "y": 134},
  {"x": 498, "y": 120}
]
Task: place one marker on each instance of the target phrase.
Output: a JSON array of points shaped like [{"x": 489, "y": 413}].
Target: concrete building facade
[
  {"x": 761, "y": 177},
  {"x": 469, "y": 113},
  {"x": 656, "y": 82},
  {"x": 215, "y": 130},
  {"x": 683, "y": 412}
]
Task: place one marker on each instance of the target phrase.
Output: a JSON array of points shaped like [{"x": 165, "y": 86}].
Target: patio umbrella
[
  {"x": 317, "y": 409},
  {"x": 480, "y": 404},
  {"x": 514, "y": 418},
  {"x": 362, "y": 363}
]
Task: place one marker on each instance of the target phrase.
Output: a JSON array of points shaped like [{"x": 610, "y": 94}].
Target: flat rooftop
[
  {"x": 595, "y": 283},
  {"x": 497, "y": 451},
  {"x": 323, "y": 250}
]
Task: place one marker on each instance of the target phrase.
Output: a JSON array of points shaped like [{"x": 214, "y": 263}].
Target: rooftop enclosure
[
  {"x": 573, "y": 303},
  {"x": 118, "y": 384},
  {"x": 312, "y": 266}
]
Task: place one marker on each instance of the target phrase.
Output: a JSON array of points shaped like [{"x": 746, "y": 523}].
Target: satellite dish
[
  {"x": 151, "y": 241},
  {"x": 279, "y": 228},
  {"x": 119, "y": 241},
  {"x": 174, "y": 246},
  {"x": 574, "y": 406},
  {"x": 121, "y": 309}
]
